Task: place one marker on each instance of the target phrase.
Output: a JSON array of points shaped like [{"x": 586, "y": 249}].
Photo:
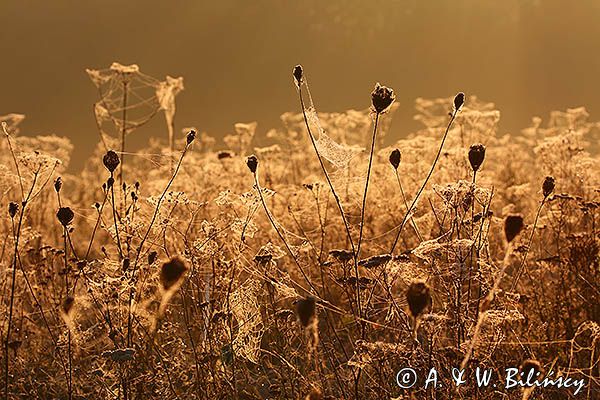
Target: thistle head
[
  {"x": 252, "y": 163},
  {"x": 382, "y": 98},
  {"x": 459, "y": 101},
  {"x": 476, "y": 155},
  {"x": 395, "y": 157},
  {"x": 111, "y": 161},
  {"x": 13, "y": 208},
  {"x": 418, "y": 297},
  {"x": 305, "y": 308},
  {"x": 548, "y": 186},
  {"x": 513, "y": 225},
  {"x": 65, "y": 216},
  {"x": 298, "y": 74}
]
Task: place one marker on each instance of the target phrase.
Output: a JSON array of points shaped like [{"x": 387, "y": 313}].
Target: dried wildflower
[
  {"x": 382, "y": 98},
  {"x": 152, "y": 257},
  {"x": 476, "y": 155},
  {"x": 58, "y": 184},
  {"x": 395, "y": 158},
  {"x": 298, "y": 74},
  {"x": 224, "y": 154},
  {"x": 110, "y": 182},
  {"x": 119, "y": 355},
  {"x": 65, "y": 216},
  {"x": 13, "y": 208},
  {"x": 190, "y": 137},
  {"x": 531, "y": 368},
  {"x": 363, "y": 282},
  {"x": 513, "y": 225},
  {"x": 111, "y": 161},
  {"x": 459, "y": 101},
  {"x": 252, "y": 163},
  {"x": 171, "y": 272},
  {"x": 548, "y": 186},
  {"x": 418, "y": 297},
  {"x": 67, "y": 305},
  {"x": 305, "y": 308},
  {"x": 342, "y": 255},
  {"x": 375, "y": 261}
]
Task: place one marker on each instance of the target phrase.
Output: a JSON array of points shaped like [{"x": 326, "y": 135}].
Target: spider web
[{"x": 129, "y": 99}]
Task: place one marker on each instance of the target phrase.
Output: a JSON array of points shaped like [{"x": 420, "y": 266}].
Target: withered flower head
[
  {"x": 382, "y": 98},
  {"x": 190, "y": 137},
  {"x": 395, "y": 157},
  {"x": 65, "y": 216},
  {"x": 548, "y": 186},
  {"x": 58, "y": 184},
  {"x": 13, "y": 208},
  {"x": 418, "y": 297},
  {"x": 531, "y": 367},
  {"x": 513, "y": 225},
  {"x": 298, "y": 74},
  {"x": 459, "y": 101},
  {"x": 171, "y": 272},
  {"x": 252, "y": 163},
  {"x": 305, "y": 308},
  {"x": 111, "y": 161},
  {"x": 67, "y": 305},
  {"x": 152, "y": 256},
  {"x": 476, "y": 155}
]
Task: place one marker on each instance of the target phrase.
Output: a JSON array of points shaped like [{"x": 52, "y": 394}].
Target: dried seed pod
[
  {"x": 298, "y": 74},
  {"x": 513, "y": 225},
  {"x": 548, "y": 186},
  {"x": 152, "y": 257},
  {"x": 111, "y": 161},
  {"x": 252, "y": 163},
  {"x": 382, "y": 98},
  {"x": 171, "y": 272},
  {"x": 395, "y": 157},
  {"x": 531, "y": 368},
  {"x": 67, "y": 305},
  {"x": 65, "y": 216},
  {"x": 476, "y": 155},
  {"x": 459, "y": 101},
  {"x": 58, "y": 184},
  {"x": 13, "y": 208},
  {"x": 190, "y": 137},
  {"x": 305, "y": 308},
  {"x": 418, "y": 297}
]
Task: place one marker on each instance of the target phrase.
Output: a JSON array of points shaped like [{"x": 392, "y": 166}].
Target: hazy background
[{"x": 529, "y": 57}]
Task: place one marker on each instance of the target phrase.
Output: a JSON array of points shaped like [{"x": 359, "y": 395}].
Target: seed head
[
  {"x": 305, "y": 308},
  {"x": 252, "y": 163},
  {"x": 476, "y": 155},
  {"x": 395, "y": 157},
  {"x": 418, "y": 297},
  {"x": 513, "y": 225},
  {"x": 298, "y": 74},
  {"x": 459, "y": 100},
  {"x": 532, "y": 367},
  {"x": 548, "y": 186},
  {"x": 111, "y": 161},
  {"x": 382, "y": 98},
  {"x": 58, "y": 184},
  {"x": 152, "y": 257},
  {"x": 171, "y": 272},
  {"x": 13, "y": 208},
  {"x": 190, "y": 137},
  {"x": 67, "y": 305},
  {"x": 65, "y": 216}
]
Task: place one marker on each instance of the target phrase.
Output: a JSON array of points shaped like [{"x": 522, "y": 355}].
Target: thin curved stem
[{"x": 437, "y": 157}]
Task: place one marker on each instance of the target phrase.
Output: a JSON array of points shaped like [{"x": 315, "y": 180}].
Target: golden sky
[{"x": 529, "y": 57}]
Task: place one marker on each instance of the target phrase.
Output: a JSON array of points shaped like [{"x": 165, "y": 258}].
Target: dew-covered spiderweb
[{"x": 129, "y": 99}]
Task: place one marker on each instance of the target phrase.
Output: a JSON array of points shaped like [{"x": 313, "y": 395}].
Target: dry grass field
[{"x": 314, "y": 263}]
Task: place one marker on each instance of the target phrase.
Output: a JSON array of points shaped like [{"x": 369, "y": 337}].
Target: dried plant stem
[
  {"x": 287, "y": 246},
  {"x": 114, "y": 213},
  {"x": 522, "y": 265},
  {"x": 412, "y": 220},
  {"x": 424, "y": 182},
  {"x": 335, "y": 196}
]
